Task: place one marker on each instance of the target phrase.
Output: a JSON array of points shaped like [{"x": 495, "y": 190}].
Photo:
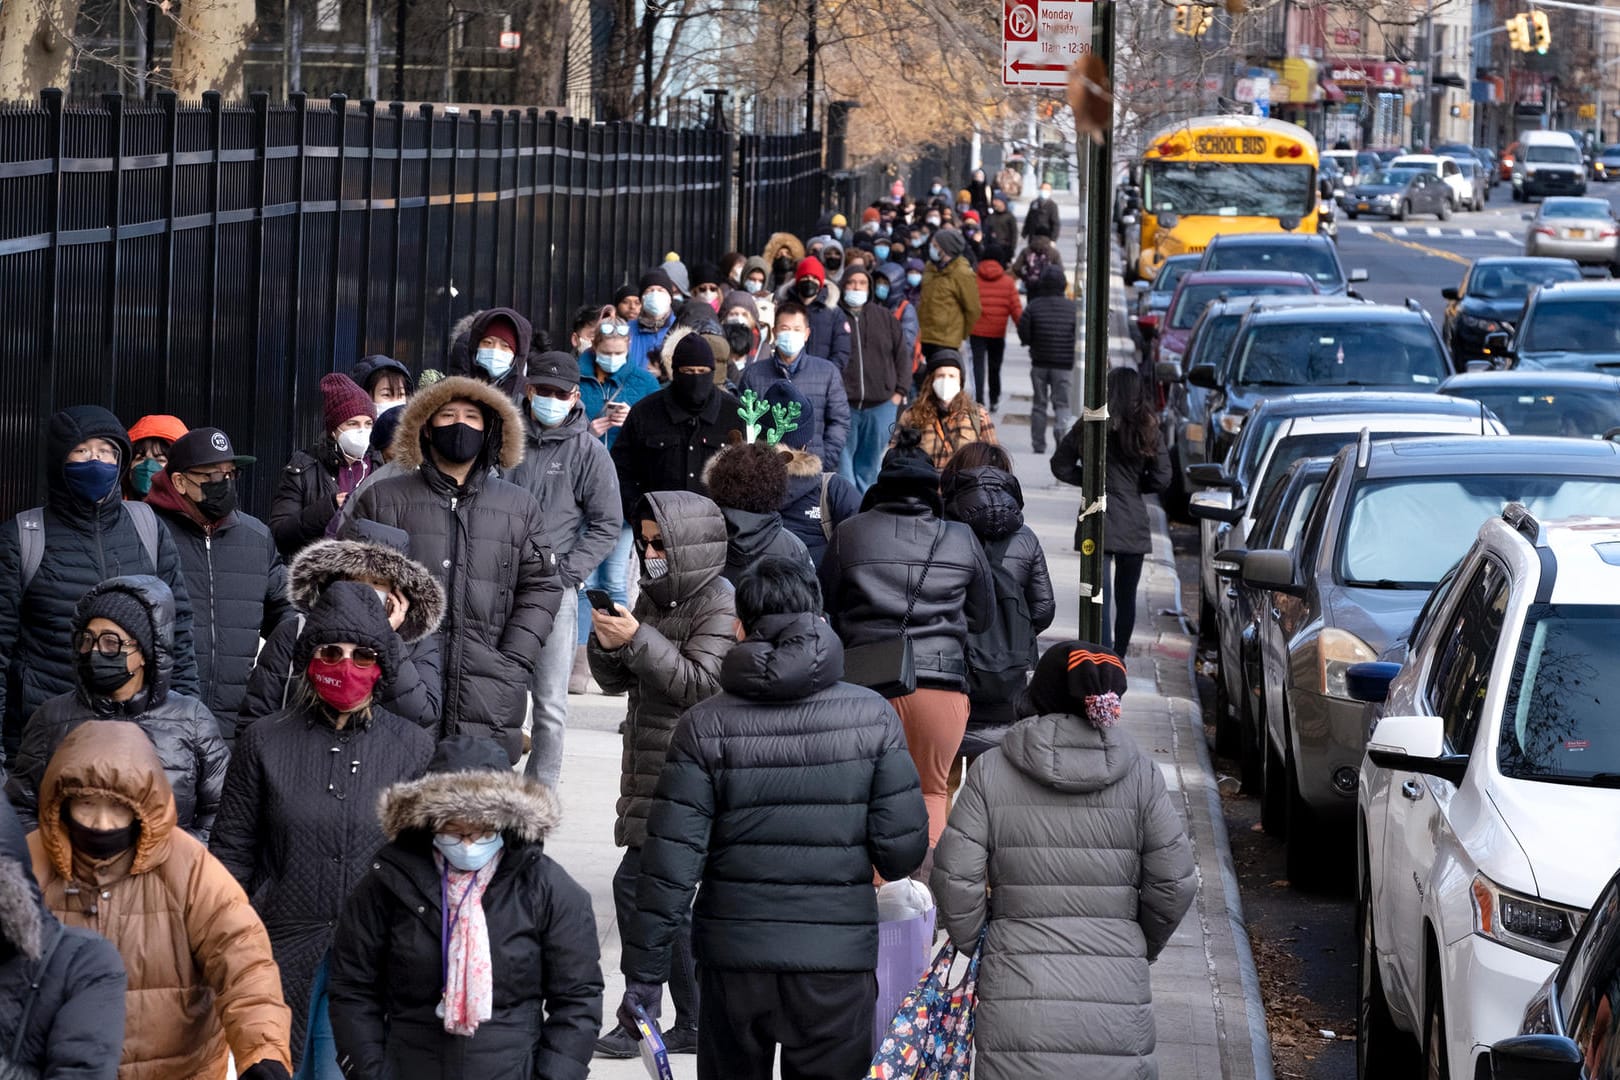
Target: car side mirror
[
  {"x": 1450, "y": 293},
  {"x": 1167, "y": 371},
  {"x": 1497, "y": 343},
  {"x": 1210, "y": 474},
  {"x": 1369, "y": 681},
  {"x": 1358, "y": 274},
  {"x": 1271, "y": 568},
  {"x": 1204, "y": 376},
  {"x": 1536, "y": 1057},
  {"x": 1214, "y": 506},
  {"x": 1228, "y": 563},
  {"x": 1415, "y": 744}
]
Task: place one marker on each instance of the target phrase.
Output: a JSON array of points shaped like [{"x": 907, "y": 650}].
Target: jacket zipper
[
  {"x": 452, "y": 579},
  {"x": 213, "y": 614},
  {"x": 860, "y": 369}
]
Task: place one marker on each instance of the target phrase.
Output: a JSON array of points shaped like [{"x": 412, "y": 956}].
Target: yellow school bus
[{"x": 1212, "y": 175}]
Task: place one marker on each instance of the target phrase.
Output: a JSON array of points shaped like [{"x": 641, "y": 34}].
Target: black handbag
[{"x": 888, "y": 666}]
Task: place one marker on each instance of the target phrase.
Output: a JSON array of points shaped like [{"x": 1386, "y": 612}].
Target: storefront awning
[{"x": 1331, "y": 91}]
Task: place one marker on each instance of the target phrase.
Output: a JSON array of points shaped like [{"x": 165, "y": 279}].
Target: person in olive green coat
[{"x": 949, "y": 305}]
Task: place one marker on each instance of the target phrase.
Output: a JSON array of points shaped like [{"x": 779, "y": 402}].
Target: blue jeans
[
  {"x": 613, "y": 577},
  {"x": 549, "y": 717},
  {"x": 319, "y": 1060},
  {"x": 869, "y": 431}
]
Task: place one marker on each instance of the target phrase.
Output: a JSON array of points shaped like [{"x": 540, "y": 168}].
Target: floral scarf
[{"x": 469, "y": 983}]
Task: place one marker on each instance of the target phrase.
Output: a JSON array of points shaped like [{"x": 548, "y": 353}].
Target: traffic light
[
  {"x": 1518, "y": 31},
  {"x": 1543, "y": 38}
]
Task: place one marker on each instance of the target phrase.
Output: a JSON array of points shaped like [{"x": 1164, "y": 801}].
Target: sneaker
[
  {"x": 618, "y": 1044},
  {"x": 681, "y": 1039}
]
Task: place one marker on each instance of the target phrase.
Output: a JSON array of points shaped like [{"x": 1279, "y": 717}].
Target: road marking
[
  {"x": 1432, "y": 231},
  {"x": 1364, "y": 229},
  {"x": 1503, "y": 234},
  {"x": 1439, "y": 253},
  {"x": 1400, "y": 230}
]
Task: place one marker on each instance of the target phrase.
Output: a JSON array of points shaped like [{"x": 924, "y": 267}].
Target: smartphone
[{"x": 601, "y": 601}]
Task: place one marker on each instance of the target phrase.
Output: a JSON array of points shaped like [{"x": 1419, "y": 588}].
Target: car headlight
[
  {"x": 1391, "y": 198},
  {"x": 1336, "y": 650},
  {"x": 1232, "y": 422},
  {"x": 1523, "y": 923},
  {"x": 1474, "y": 322}
]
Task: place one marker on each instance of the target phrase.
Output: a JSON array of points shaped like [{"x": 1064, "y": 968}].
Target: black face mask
[
  {"x": 100, "y": 844},
  {"x": 218, "y": 499},
  {"x": 809, "y": 290},
  {"x": 456, "y": 443},
  {"x": 103, "y": 675},
  {"x": 784, "y": 265},
  {"x": 692, "y": 392},
  {"x": 739, "y": 338}
]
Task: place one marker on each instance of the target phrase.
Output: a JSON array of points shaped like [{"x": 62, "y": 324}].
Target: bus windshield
[{"x": 1229, "y": 189}]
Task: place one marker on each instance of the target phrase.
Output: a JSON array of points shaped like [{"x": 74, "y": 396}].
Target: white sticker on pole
[{"x": 1041, "y": 39}]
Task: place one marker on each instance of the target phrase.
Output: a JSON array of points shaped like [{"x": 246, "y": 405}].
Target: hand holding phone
[{"x": 601, "y": 601}]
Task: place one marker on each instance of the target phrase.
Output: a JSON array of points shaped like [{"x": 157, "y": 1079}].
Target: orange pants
[{"x": 934, "y": 721}]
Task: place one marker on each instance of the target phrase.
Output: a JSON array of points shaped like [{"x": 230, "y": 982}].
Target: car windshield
[
  {"x": 1194, "y": 298},
  {"x": 1579, "y": 326},
  {"x": 1513, "y": 280},
  {"x": 1558, "y": 719},
  {"x": 1401, "y": 354},
  {"x": 1214, "y": 339},
  {"x": 1559, "y": 155},
  {"x": 1576, "y": 412},
  {"x": 1298, "y": 448},
  {"x": 1610, "y": 153},
  {"x": 1446, "y": 512},
  {"x": 1575, "y": 208},
  {"x": 1397, "y": 177},
  {"x": 1314, "y": 260},
  {"x": 1467, "y": 166},
  {"x": 1171, "y": 273},
  {"x": 1229, "y": 189}
]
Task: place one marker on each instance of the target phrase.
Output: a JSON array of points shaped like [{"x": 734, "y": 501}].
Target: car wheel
[
  {"x": 1436, "y": 1062},
  {"x": 1308, "y": 843},
  {"x": 1206, "y": 619},
  {"x": 1444, "y": 211},
  {"x": 1406, "y": 208},
  {"x": 1227, "y": 732},
  {"x": 1351, "y": 214},
  {"x": 1518, "y": 196},
  {"x": 1273, "y": 793},
  {"x": 1252, "y": 759},
  {"x": 1479, "y": 202},
  {"x": 1382, "y": 1049}
]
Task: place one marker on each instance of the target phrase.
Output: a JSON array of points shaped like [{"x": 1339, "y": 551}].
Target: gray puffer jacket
[
  {"x": 569, "y": 472},
  {"x": 1069, "y": 828},
  {"x": 687, "y": 627}
]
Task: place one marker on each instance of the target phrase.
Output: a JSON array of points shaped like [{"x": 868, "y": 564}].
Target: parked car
[
  {"x": 1199, "y": 287},
  {"x": 1581, "y": 229},
  {"x": 1154, "y": 300},
  {"x": 1606, "y": 165},
  {"x": 1490, "y": 299},
  {"x": 1483, "y": 158},
  {"x": 1313, "y": 256},
  {"x": 1478, "y": 177},
  {"x": 1571, "y": 326},
  {"x": 1573, "y": 404},
  {"x": 1448, "y": 172},
  {"x": 1398, "y": 194},
  {"x": 1547, "y": 163},
  {"x": 1491, "y": 774}
]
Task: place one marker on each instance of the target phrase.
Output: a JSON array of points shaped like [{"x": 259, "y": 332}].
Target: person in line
[
  {"x": 756, "y": 276},
  {"x": 816, "y": 377},
  {"x": 949, "y": 304},
  {"x": 736, "y": 813},
  {"x": 627, "y": 303},
  {"x": 1137, "y": 464},
  {"x": 1001, "y": 230},
  {"x": 466, "y": 951},
  {"x": 52, "y": 555},
  {"x": 150, "y": 438},
  {"x": 1041, "y": 220},
  {"x": 1069, "y": 824},
  {"x": 319, "y": 480},
  {"x": 571, "y": 476},
  {"x": 492, "y": 346},
  {"x": 944, "y": 416},
  {"x": 998, "y": 305},
  {"x": 748, "y": 482},
  {"x": 828, "y": 328},
  {"x": 582, "y": 327},
  {"x": 297, "y": 825},
  {"x": 61, "y": 988},
  {"x": 123, "y": 641},
  {"x": 1048, "y": 328},
  {"x": 110, "y": 857},
  {"x": 889, "y": 286},
  {"x": 876, "y": 379},
  {"x": 414, "y": 602},
  {"x": 477, "y": 534},
  {"x": 900, "y": 568},
  {"x": 667, "y": 655},
  {"x": 388, "y": 381},
  {"x": 815, "y": 500},
  {"x": 978, "y": 188},
  {"x": 671, "y": 435},
  {"x": 234, "y": 574},
  {"x": 654, "y": 319},
  {"x": 783, "y": 251}
]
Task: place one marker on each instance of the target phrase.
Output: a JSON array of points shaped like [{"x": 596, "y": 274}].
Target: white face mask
[
  {"x": 385, "y": 406},
  {"x": 946, "y": 387},
  {"x": 355, "y": 441},
  {"x": 655, "y": 302}
]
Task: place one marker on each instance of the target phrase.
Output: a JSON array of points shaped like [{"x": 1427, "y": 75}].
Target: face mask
[
  {"x": 934, "y": 253},
  {"x": 833, "y": 265},
  {"x": 549, "y": 411},
  {"x": 870, "y": 228},
  {"x": 468, "y": 856},
  {"x": 1046, "y": 193},
  {"x": 881, "y": 251},
  {"x": 934, "y": 219},
  {"x": 692, "y": 392},
  {"x": 918, "y": 241},
  {"x": 382, "y": 595},
  {"x": 855, "y": 297},
  {"x": 739, "y": 338},
  {"x": 882, "y": 291},
  {"x": 345, "y": 686},
  {"x": 91, "y": 481},
  {"x": 962, "y": 207},
  {"x": 946, "y": 387},
  {"x": 611, "y": 363},
  {"x": 356, "y": 441},
  {"x": 583, "y": 347},
  {"x": 783, "y": 265},
  {"x": 655, "y": 302},
  {"x": 218, "y": 498},
  {"x": 456, "y": 443},
  {"x": 99, "y": 844},
  {"x": 103, "y": 675},
  {"x": 810, "y": 289},
  {"x": 387, "y": 406},
  {"x": 838, "y": 232},
  {"x": 914, "y": 279},
  {"x": 497, "y": 362},
  {"x": 656, "y": 568},
  {"x": 936, "y": 190},
  {"x": 140, "y": 477},
  {"x": 789, "y": 343},
  {"x": 753, "y": 286}
]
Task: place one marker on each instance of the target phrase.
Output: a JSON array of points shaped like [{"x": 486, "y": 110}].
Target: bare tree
[{"x": 36, "y": 46}]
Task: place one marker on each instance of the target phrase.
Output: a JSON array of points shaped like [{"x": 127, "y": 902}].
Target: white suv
[{"x": 1490, "y": 790}]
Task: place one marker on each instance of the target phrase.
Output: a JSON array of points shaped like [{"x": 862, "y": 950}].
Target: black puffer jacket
[
  {"x": 306, "y": 498},
  {"x": 1048, "y": 324},
  {"x": 181, "y": 728},
  {"x": 501, "y": 588},
  {"x": 416, "y": 691},
  {"x": 387, "y": 963},
  {"x": 84, "y": 546},
  {"x": 801, "y": 510},
  {"x": 1126, "y": 480},
  {"x": 298, "y": 826},
  {"x": 469, "y": 331},
  {"x": 782, "y": 793},
  {"x": 238, "y": 588},
  {"x": 752, "y": 537},
  {"x": 991, "y": 503},
  {"x": 687, "y": 626}
]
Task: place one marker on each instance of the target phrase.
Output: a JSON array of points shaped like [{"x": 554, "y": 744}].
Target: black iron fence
[
  {"x": 213, "y": 261},
  {"x": 779, "y": 187}
]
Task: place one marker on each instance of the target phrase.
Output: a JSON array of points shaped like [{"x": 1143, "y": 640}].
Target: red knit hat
[
  {"x": 342, "y": 399},
  {"x": 810, "y": 267},
  {"x": 869, "y": 214},
  {"x": 970, "y": 215}
]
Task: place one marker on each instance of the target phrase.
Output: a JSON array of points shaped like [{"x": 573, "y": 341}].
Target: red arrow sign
[{"x": 1022, "y": 66}]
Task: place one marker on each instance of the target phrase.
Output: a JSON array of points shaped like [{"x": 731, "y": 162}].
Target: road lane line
[
  {"x": 1400, "y": 230},
  {"x": 1503, "y": 234},
  {"x": 1439, "y": 253},
  {"x": 1432, "y": 231},
  {"x": 1470, "y": 233},
  {"x": 1364, "y": 229}
]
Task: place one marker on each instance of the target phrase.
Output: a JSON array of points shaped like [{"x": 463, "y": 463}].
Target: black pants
[
  {"x": 821, "y": 1020},
  {"x": 683, "y": 983},
  {"x": 994, "y": 349},
  {"x": 1125, "y": 574}
]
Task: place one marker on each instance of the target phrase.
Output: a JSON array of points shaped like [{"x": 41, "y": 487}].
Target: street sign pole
[{"x": 1094, "y": 416}]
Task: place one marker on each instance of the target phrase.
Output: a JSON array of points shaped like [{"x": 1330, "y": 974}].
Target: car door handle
[{"x": 1413, "y": 790}]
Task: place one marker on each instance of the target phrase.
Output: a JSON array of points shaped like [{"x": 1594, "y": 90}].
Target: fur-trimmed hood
[
  {"x": 800, "y": 463},
  {"x": 777, "y": 240},
  {"x": 22, "y": 909},
  {"x": 326, "y": 561},
  {"x": 503, "y": 427},
  {"x": 519, "y": 807}
]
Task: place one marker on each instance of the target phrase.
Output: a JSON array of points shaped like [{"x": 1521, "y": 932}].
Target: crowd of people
[{"x": 279, "y": 789}]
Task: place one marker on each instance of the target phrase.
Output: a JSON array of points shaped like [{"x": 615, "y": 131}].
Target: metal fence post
[
  {"x": 51, "y": 100},
  {"x": 171, "y": 145},
  {"x": 368, "y": 109},
  {"x": 450, "y": 237},
  {"x": 216, "y": 141},
  {"x": 423, "y": 298},
  {"x": 340, "y": 111},
  {"x": 396, "y": 109},
  {"x": 295, "y": 298},
  {"x": 114, "y": 104}
]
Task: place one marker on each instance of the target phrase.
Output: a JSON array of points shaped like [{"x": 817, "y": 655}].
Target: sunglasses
[
  {"x": 107, "y": 643},
  {"x": 645, "y": 545},
  {"x": 336, "y": 654},
  {"x": 613, "y": 328}
]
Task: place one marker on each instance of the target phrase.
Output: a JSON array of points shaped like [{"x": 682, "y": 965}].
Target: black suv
[
  {"x": 1299, "y": 253},
  {"x": 1566, "y": 326},
  {"x": 1490, "y": 298}
]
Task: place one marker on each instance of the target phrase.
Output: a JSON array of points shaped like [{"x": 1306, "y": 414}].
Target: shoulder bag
[{"x": 888, "y": 666}]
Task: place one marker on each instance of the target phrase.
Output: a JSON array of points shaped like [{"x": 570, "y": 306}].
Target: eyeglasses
[
  {"x": 613, "y": 328},
  {"x": 211, "y": 477},
  {"x": 553, "y": 393},
  {"x": 106, "y": 643},
  {"x": 707, "y": 290},
  {"x": 336, "y": 654},
  {"x": 468, "y": 836}
]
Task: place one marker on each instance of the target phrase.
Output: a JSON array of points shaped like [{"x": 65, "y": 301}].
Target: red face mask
[{"x": 345, "y": 686}]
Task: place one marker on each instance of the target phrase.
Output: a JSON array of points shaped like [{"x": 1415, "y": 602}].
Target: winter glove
[
  {"x": 267, "y": 1069},
  {"x": 650, "y": 996}
]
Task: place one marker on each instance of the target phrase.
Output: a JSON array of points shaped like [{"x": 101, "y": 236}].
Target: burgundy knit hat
[
  {"x": 501, "y": 327},
  {"x": 343, "y": 399}
]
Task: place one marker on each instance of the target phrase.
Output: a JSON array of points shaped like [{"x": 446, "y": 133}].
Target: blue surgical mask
[
  {"x": 882, "y": 290},
  {"x": 91, "y": 481},
  {"x": 934, "y": 253},
  {"x": 753, "y": 286},
  {"x": 611, "y": 364},
  {"x": 855, "y": 297},
  {"x": 914, "y": 279},
  {"x": 789, "y": 343},
  {"x": 549, "y": 411},
  {"x": 468, "y": 856},
  {"x": 918, "y": 240},
  {"x": 497, "y": 362},
  {"x": 881, "y": 251},
  {"x": 838, "y": 232}
]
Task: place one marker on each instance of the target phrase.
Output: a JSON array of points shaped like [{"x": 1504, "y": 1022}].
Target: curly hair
[{"x": 750, "y": 477}]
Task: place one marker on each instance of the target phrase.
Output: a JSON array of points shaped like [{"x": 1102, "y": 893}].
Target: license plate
[
  {"x": 1361, "y": 206},
  {"x": 1577, "y": 234}
]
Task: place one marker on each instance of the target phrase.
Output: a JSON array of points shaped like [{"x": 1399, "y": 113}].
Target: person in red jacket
[{"x": 998, "y": 303}]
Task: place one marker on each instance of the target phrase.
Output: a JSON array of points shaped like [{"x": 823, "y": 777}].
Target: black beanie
[
  {"x": 1078, "y": 678},
  {"x": 907, "y": 473},
  {"x": 122, "y": 607},
  {"x": 692, "y": 351},
  {"x": 625, "y": 292},
  {"x": 349, "y": 612},
  {"x": 944, "y": 358},
  {"x": 658, "y": 278},
  {"x": 468, "y": 753}
]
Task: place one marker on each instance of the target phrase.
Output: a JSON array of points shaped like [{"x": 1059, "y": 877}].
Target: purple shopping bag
[{"x": 905, "y": 946}]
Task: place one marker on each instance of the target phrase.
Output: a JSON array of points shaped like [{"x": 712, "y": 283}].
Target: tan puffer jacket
[{"x": 201, "y": 975}]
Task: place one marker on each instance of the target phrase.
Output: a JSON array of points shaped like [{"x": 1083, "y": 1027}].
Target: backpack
[
  {"x": 999, "y": 659},
  {"x": 31, "y": 537},
  {"x": 1035, "y": 263}
]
